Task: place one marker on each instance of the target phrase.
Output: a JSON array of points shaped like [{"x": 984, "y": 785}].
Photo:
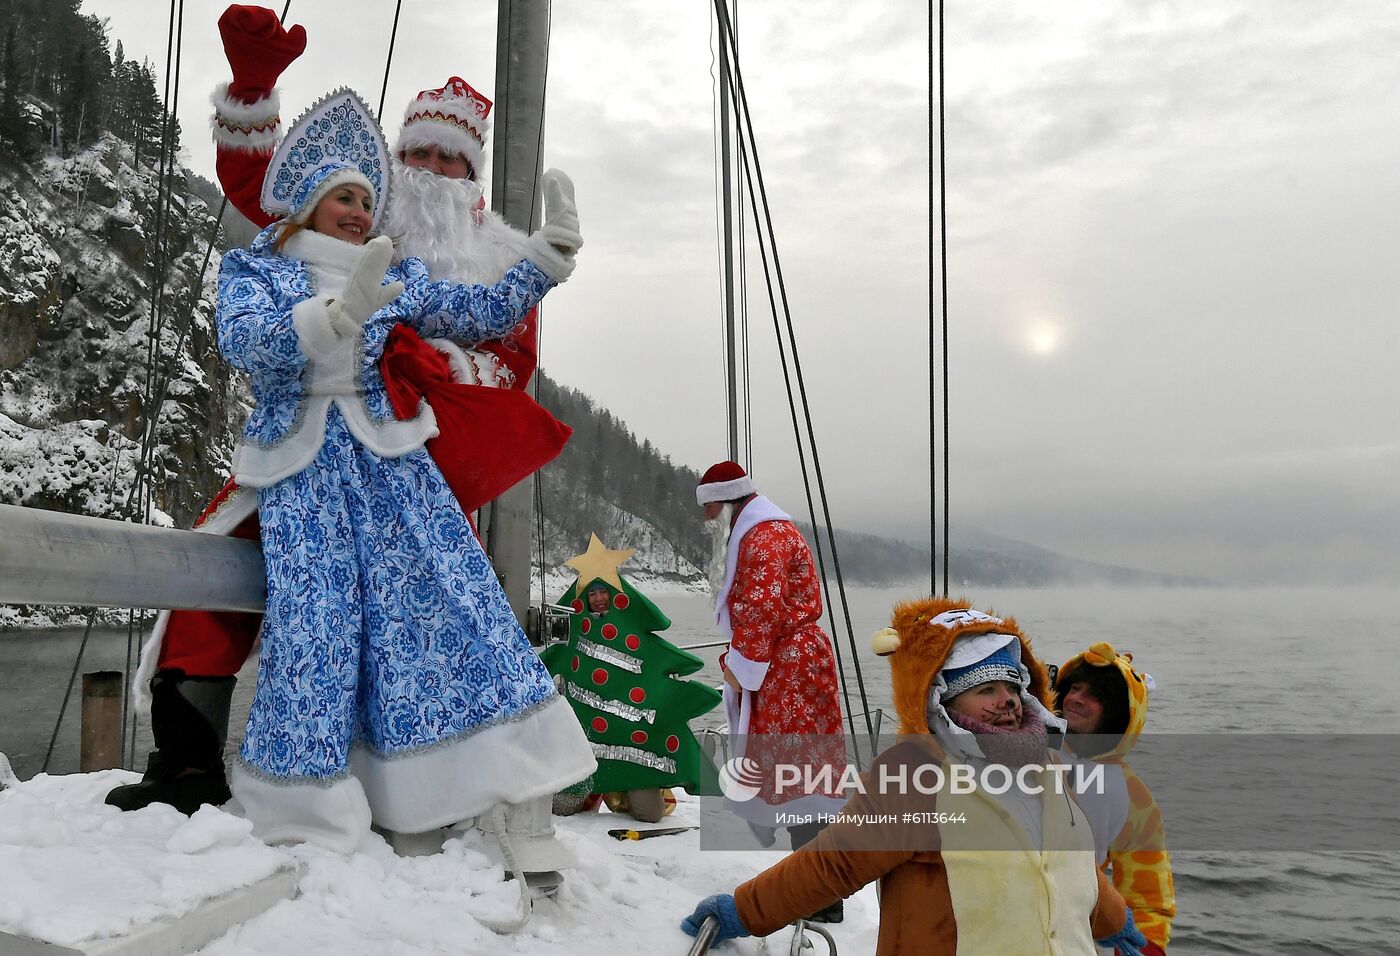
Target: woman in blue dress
[{"x": 395, "y": 685}]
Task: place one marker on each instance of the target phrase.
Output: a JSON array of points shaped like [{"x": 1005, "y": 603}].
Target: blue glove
[
  {"x": 1126, "y": 941},
  {"x": 723, "y": 908}
]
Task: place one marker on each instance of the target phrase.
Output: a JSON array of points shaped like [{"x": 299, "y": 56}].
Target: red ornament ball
[
  {"x": 609, "y": 631},
  {"x": 639, "y": 736},
  {"x": 673, "y": 743},
  {"x": 637, "y": 695},
  {"x": 620, "y": 602},
  {"x": 600, "y": 725},
  {"x": 585, "y": 626},
  {"x": 633, "y": 642},
  {"x": 574, "y": 664},
  {"x": 577, "y": 605},
  {"x": 600, "y": 676}
]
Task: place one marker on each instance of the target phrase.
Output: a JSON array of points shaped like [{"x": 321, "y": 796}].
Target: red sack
[{"x": 488, "y": 438}]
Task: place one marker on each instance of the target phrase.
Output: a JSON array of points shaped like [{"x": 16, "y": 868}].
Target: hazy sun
[{"x": 1043, "y": 338}]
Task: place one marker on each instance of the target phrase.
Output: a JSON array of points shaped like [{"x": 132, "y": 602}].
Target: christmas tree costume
[{"x": 620, "y": 675}]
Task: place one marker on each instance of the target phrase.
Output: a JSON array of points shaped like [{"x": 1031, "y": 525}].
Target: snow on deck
[{"x": 73, "y": 870}]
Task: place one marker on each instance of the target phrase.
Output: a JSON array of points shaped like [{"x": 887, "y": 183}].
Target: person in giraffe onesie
[
  {"x": 1104, "y": 703},
  {"x": 491, "y": 436}
]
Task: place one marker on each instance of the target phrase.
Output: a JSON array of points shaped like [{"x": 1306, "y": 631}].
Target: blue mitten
[
  {"x": 723, "y": 908},
  {"x": 1126, "y": 941}
]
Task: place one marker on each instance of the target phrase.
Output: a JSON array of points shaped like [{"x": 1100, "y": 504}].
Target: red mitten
[{"x": 258, "y": 49}]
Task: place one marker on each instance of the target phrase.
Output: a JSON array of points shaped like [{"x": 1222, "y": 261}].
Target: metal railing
[{"x": 48, "y": 557}]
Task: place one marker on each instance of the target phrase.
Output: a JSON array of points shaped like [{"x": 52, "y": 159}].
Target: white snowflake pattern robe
[{"x": 395, "y": 684}]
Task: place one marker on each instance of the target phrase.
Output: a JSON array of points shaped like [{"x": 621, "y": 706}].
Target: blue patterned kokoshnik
[{"x": 339, "y": 132}]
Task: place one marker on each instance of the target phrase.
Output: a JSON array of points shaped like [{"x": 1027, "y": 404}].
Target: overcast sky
[{"x": 1172, "y": 283}]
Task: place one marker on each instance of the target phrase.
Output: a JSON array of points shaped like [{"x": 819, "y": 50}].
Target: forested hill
[
  {"x": 608, "y": 481},
  {"x": 100, "y": 261}
]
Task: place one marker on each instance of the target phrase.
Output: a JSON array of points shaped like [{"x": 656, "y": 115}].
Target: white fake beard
[
  {"x": 431, "y": 217},
  {"x": 718, "y": 529}
]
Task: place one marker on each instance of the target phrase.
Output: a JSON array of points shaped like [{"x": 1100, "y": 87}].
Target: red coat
[{"x": 775, "y": 608}]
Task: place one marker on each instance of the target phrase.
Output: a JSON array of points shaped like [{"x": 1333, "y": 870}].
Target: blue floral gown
[{"x": 395, "y": 683}]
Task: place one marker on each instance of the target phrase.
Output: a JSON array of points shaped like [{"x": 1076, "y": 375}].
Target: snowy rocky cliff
[{"x": 78, "y": 239}]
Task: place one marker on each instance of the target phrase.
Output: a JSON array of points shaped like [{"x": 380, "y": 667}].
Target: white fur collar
[
  {"x": 324, "y": 253},
  {"x": 758, "y": 510}
]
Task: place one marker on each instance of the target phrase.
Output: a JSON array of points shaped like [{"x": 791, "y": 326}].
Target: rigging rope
[
  {"x": 943, "y": 244},
  {"x": 741, "y": 108},
  {"x": 393, "y": 34}
]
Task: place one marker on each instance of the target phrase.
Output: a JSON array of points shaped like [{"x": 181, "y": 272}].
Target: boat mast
[{"x": 522, "y": 56}]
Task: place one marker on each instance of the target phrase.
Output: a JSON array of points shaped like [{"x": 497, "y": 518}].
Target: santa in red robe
[
  {"x": 781, "y": 692},
  {"x": 492, "y": 434}
]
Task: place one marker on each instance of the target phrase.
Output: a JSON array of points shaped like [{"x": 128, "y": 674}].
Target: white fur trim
[
  {"x": 331, "y": 260},
  {"x": 336, "y": 817},
  {"x": 146, "y": 667},
  {"x": 338, "y": 178},
  {"x": 315, "y": 335},
  {"x": 472, "y": 367},
  {"x": 445, "y": 136},
  {"x": 513, "y": 761},
  {"x": 261, "y": 466},
  {"x": 255, "y": 127},
  {"x": 237, "y": 507},
  {"x": 757, "y": 511},
  {"x": 550, "y": 260},
  {"x": 724, "y": 490},
  {"x": 749, "y": 673}
]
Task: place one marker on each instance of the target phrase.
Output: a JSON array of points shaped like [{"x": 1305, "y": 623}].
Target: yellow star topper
[{"x": 599, "y": 562}]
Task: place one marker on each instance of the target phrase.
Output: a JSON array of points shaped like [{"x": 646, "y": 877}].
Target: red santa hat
[
  {"x": 453, "y": 118},
  {"x": 724, "y": 481}
]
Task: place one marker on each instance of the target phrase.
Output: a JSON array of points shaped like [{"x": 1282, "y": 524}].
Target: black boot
[{"x": 189, "y": 720}]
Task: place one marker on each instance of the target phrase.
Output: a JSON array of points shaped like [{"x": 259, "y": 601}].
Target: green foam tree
[{"x": 622, "y": 680}]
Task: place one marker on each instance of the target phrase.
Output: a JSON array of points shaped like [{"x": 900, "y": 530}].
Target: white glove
[
  {"x": 364, "y": 292},
  {"x": 560, "y": 212}
]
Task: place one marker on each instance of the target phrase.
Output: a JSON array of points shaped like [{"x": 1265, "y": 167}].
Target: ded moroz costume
[{"x": 768, "y": 604}]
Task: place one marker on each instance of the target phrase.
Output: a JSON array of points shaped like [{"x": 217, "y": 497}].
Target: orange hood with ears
[{"x": 918, "y": 640}]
